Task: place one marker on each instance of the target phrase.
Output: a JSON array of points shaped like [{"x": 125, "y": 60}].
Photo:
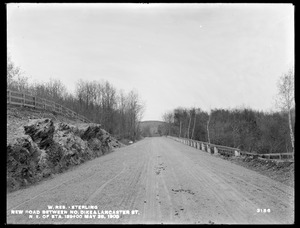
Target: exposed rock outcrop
[
  {"x": 46, "y": 148},
  {"x": 41, "y": 132},
  {"x": 23, "y": 156}
]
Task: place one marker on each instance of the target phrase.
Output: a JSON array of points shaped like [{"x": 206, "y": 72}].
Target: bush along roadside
[{"x": 46, "y": 148}]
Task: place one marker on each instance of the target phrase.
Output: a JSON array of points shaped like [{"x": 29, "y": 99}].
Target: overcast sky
[{"x": 190, "y": 55}]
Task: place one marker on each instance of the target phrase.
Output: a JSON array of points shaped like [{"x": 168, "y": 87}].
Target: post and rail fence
[
  {"x": 230, "y": 151},
  {"x": 26, "y": 100}
]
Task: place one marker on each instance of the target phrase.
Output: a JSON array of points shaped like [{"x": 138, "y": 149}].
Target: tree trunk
[
  {"x": 188, "y": 133},
  {"x": 194, "y": 126},
  {"x": 180, "y": 130},
  {"x": 208, "y": 129},
  {"x": 291, "y": 129}
]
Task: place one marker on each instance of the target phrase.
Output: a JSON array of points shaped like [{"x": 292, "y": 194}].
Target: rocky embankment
[{"x": 43, "y": 147}]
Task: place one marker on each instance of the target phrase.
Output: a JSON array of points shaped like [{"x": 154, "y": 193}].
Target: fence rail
[
  {"x": 27, "y": 100},
  {"x": 230, "y": 151}
]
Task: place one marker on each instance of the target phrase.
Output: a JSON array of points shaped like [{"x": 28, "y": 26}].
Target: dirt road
[{"x": 166, "y": 181}]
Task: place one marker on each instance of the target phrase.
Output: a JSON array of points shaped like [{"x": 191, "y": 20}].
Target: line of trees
[
  {"x": 244, "y": 128},
  {"x": 118, "y": 112}
]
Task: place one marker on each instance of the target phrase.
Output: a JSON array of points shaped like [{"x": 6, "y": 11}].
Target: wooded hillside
[{"x": 118, "y": 112}]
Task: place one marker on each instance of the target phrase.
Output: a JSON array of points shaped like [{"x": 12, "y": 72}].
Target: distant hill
[{"x": 152, "y": 125}]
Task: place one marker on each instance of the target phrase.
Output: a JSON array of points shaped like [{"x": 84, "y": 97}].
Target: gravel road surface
[{"x": 156, "y": 180}]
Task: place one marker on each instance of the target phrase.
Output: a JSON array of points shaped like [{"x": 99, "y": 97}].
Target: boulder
[
  {"x": 69, "y": 149},
  {"x": 44, "y": 166},
  {"x": 96, "y": 146},
  {"x": 41, "y": 131},
  {"x": 23, "y": 156},
  {"x": 89, "y": 131}
]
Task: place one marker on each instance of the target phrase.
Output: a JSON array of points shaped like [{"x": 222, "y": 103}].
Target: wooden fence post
[
  {"x": 34, "y": 103},
  {"x": 237, "y": 153},
  {"x": 215, "y": 150},
  {"x": 208, "y": 148}
]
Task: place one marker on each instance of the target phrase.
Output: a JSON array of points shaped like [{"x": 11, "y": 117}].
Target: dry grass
[{"x": 279, "y": 170}]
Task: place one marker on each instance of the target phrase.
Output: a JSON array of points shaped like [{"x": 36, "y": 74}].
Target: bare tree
[
  {"x": 188, "y": 131},
  {"x": 180, "y": 128},
  {"x": 179, "y": 118},
  {"x": 135, "y": 113},
  {"x": 285, "y": 100},
  {"x": 207, "y": 126},
  {"x": 15, "y": 77},
  {"x": 168, "y": 118},
  {"x": 80, "y": 91},
  {"x": 121, "y": 106},
  {"x": 55, "y": 89},
  {"x": 196, "y": 112}
]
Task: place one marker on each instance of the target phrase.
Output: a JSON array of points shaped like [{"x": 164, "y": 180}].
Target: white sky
[{"x": 201, "y": 55}]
